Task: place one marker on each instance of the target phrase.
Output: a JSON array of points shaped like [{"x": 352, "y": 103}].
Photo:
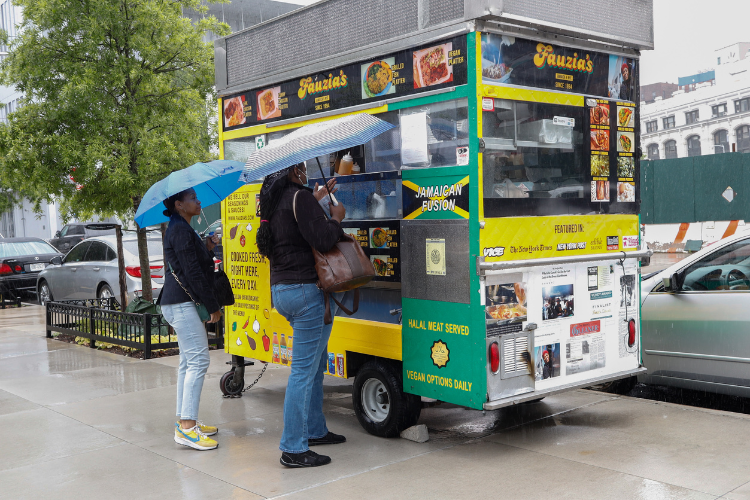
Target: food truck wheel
[
  {"x": 382, "y": 407},
  {"x": 230, "y": 387}
]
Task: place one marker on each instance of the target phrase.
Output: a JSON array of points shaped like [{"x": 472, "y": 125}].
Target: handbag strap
[
  {"x": 327, "y": 318},
  {"x": 171, "y": 270}
]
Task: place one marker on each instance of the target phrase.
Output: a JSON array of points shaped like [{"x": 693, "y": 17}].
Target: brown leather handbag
[{"x": 342, "y": 268}]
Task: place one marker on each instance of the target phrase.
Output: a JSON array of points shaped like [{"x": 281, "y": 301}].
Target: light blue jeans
[
  {"x": 303, "y": 306},
  {"x": 194, "y": 359}
]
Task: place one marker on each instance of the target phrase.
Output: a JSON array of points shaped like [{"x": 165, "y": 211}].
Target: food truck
[{"x": 500, "y": 212}]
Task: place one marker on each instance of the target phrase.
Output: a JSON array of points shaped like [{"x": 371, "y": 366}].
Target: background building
[{"x": 708, "y": 114}]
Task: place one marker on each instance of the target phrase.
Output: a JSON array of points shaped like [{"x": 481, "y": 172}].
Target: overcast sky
[{"x": 686, "y": 34}]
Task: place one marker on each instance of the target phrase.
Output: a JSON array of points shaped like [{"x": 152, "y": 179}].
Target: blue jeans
[
  {"x": 194, "y": 359},
  {"x": 303, "y": 307}
]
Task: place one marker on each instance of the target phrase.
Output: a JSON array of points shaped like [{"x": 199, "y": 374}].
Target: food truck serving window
[{"x": 536, "y": 161}]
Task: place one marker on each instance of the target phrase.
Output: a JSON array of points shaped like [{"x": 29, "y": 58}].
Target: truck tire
[{"x": 380, "y": 403}]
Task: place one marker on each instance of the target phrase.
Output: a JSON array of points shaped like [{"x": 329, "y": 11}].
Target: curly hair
[{"x": 273, "y": 187}]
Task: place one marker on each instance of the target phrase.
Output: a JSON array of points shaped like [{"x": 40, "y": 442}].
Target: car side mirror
[
  {"x": 56, "y": 260},
  {"x": 57, "y": 234},
  {"x": 672, "y": 283}
]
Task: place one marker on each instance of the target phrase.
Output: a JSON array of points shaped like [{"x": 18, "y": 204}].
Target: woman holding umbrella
[
  {"x": 293, "y": 222},
  {"x": 189, "y": 282}
]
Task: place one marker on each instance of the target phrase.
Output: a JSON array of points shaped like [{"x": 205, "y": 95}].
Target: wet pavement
[{"x": 81, "y": 423}]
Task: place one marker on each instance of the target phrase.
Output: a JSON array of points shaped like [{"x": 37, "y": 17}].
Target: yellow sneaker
[
  {"x": 194, "y": 438},
  {"x": 208, "y": 430}
]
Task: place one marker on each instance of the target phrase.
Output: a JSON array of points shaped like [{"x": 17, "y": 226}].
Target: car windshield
[
  {"x": 155, "y": 250},
  {"x": 18, "y": 248}
]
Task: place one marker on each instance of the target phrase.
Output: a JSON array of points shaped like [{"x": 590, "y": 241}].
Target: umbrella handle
[{"x": 325, "y": 181}]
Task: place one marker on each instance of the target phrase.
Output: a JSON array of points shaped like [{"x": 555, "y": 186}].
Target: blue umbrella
[
  {"x": 311, "y": 141},
  {"x": 212, "y": 181}
]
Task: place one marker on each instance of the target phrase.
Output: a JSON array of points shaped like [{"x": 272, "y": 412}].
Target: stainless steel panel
[
  {"x": 415, "y": 282},
  {"x": 514, "y": 376},
  {"x": 441, "y": 11}
]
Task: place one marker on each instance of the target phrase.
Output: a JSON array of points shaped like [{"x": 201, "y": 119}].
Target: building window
[
  {"x": 670, "y": 149},
  {"x": 694, "y": 145},
  {"x": 651, "y": 127},
  {"x": 718, "y": 110},
  {"x": 718, "y": 60},
  {"x": 653, "y": 151},
  {"x": 742, "y": 105},
  {"x": 691, "y": 116},
  {"x": 721, "y": 142},
  {"x": 668, "y": 122},
  {"x": 743, "y": 139}
]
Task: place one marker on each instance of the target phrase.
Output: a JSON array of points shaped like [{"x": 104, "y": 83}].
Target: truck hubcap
[{"x": 375, "y": 400}]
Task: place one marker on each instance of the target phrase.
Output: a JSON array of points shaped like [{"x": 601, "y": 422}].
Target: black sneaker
[
  {"x": 329, "y": 438},
  {"x": 306, "y": 459}
]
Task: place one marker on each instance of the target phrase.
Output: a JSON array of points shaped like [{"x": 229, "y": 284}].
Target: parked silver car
[
  {"x": 696, "y": 319},
  {"x": 90, "y": 270}
]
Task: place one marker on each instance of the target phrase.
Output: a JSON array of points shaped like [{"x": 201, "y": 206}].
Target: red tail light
[
  {"x": 5, "y": 269},
  {"x": 18, "y": 268},
  {"x": 631, "y": 332},
  {"x": 494, "y": 357},
  {"x": 135, "y": 271}
]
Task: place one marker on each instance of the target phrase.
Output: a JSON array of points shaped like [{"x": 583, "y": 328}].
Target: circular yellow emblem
[{"x": 439, "y": 353}]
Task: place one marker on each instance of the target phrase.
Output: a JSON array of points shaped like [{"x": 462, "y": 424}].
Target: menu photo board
[
  {"x": 507, "y": 60},
  {"x": 433, "y": 66},
  {"x": 380, "y": 240},
  {"x": 612, "y": 150}
]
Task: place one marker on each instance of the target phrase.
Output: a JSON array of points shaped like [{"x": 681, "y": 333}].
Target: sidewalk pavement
[{"x": 81, "y": 424}]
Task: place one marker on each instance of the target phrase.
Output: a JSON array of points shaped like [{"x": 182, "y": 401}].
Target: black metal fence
[{"x": 100, "y": 320}]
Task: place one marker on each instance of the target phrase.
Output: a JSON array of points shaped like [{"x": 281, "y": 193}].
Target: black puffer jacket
[{"x": 193, "y": 264}]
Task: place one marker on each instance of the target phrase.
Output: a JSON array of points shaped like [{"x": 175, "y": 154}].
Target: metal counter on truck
[{"x": 501, "y": 212}]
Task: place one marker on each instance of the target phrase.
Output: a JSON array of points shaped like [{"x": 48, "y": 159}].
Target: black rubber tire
[
  {"x": 102, "y": 287},
  {"x": 404, "y": 408},
  {"x": 622, "y": 386},
  {"x": 228, "y": 385},
  {"x": 39, "y": 292}
]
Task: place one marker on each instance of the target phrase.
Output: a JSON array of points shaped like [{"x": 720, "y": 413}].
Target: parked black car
[
  {"x": 72, "y": 234},
  {"x": 21, "y": 261}
]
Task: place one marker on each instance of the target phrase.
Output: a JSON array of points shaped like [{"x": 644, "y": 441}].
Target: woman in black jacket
[
  {"x": 192, "y": 263},
  {"x": 292, "y": 221}
]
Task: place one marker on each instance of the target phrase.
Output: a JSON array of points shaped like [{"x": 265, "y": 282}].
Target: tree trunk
[{"x": 143, "y": 257}]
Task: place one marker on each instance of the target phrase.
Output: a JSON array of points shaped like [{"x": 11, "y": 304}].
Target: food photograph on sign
[
  {"x": 600, "y": 166},
  {"x": 268, "y": 103},
  {"x": 547, "y": 361},
  {"x": 380, "y": 263},
  {"x": 625, "y": 116},
  {"x": 377, "y": 78},
  {"x": 506, "y": 301},
  {"x": 626, "y": 166},
  {"x": 600, "y": 114},
  {"x": 626, "y": 192},
  {"x": 432, "y": 66},
  {"x": 378, "y": 237},
  {"x": 621, "y": 82},
  {"x": 625, "y": 142},
  {"x": 557, "y": 302},
  {"x": 234, "y": 111},
  {"x": 600, "y": 140},
  {"x": 599, "y": 190}
]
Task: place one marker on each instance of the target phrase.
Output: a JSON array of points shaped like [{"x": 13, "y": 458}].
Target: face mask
[{"x": 307, "y": 180}]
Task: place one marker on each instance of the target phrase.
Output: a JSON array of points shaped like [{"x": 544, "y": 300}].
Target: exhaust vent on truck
[{"x": 516, "y": 358}]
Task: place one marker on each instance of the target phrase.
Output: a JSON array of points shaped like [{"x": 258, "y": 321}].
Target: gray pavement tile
[
  {"x": 42, "y": 435},
  {"x": 150, "y": 414},
  {"x": 741, "y": 493},
  {"x": 56, "y": 362},
  {"x": 484, "y": 469},
  {"x": 248, "y": 454},
  {"x": 666, "y": 443},
  {"x": 10, "y": 403},
  {"x": 23, "y": 345},
  {"x": 119, "y": 472},
  {"x": 84, "y": 384}
]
